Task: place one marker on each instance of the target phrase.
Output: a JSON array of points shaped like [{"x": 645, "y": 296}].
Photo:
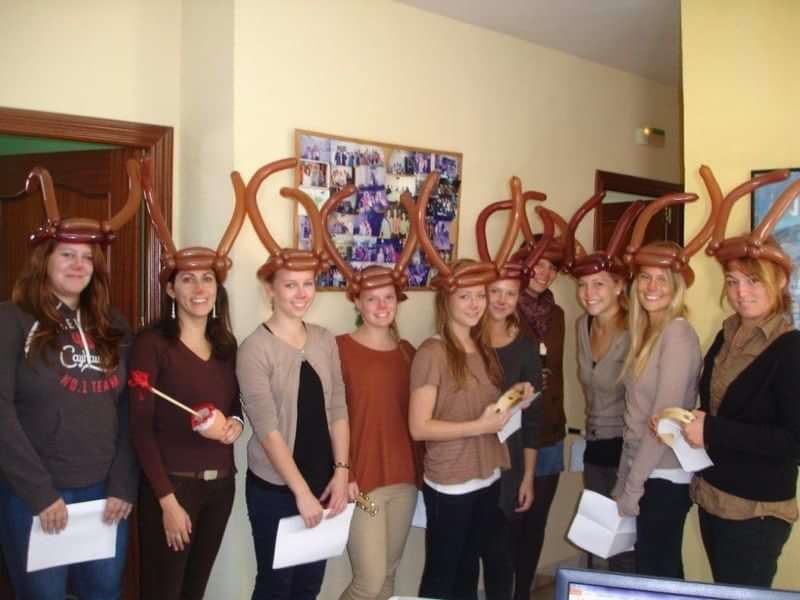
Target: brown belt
[{"x": 208, "y": 475}]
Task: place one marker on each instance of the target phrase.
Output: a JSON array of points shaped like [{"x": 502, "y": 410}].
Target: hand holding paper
[
  {"x": 691, "y": 459},
  {"x": 598, "y": 528},
  {"x": 296, "y": 544},
  {"x": 515, "y": 421}
]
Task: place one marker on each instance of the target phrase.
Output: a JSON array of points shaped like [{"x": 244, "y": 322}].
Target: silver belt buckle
[{"x": 210, "y": 475}]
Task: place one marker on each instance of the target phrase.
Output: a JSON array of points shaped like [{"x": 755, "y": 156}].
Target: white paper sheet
[
  {"x": 85, "y": 538},
  {"x": 515, "y": 422},
  {"x": 598, "y": 528},
  {"x": 576, "y": 451},
  {"x": 296, "y": 544},
  {"x": 691, "y": 459},
  {"x": 420, "y": 518}
]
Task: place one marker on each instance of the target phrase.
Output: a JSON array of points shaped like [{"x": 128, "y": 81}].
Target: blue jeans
[
  {"x": 93, "y": 580},
  {"x": 266, "y": 505}
]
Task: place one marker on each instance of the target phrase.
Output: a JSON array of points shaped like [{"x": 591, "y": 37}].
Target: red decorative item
[{"x": 139, "y": 379}]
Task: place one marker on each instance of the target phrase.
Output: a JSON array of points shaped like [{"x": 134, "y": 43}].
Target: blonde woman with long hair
[{"x": 660, "y": 371}]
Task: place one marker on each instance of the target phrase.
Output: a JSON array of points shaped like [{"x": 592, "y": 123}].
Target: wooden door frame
[
  {"x": 157, "y": 140},
  {"x": 618, "y": 182}
]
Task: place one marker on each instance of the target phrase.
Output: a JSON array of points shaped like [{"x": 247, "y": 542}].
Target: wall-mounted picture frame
[
  {"x": 786, "y": 232},
  {"x": 371, "y": 226}
]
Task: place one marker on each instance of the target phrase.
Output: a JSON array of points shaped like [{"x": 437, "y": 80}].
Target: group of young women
[{"x": 339, "y": 419}]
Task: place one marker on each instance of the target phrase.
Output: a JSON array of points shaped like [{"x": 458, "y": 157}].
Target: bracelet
[
  {"x": 340, "y": 465},
  {"x": 239, "y": 419}
]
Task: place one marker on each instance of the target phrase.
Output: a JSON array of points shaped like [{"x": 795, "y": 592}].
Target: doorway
[
  {"x": 90, "y": 183},
  {"x": 622, "y": 191}
]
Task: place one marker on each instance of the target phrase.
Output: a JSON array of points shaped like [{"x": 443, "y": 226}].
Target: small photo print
[
  {"x": 365, "y": 249},
  {"x": 340, "y": 226},
  {"x": 423, "y": 162},
  {"x": 371, "y": 156},
  {"x": 361, "y": 225},
  {"x": 331, "y": 278},
  {"x": 447, "y": 166},
  {"x": 370, "y": 176},
  {"x": 304, "y": 232},
  {"x": 348, "y": 205},
  {"x": 401, "y": 163},
  {"x": 418, "y": 271},
  {"x": 315, "y": 148},
  {"x": 442, "y": 207},
  {"x": 397, "y": 184},
  {"x": 387, "y": 252},
  {"x": 319, "y": 195},
  {"x": 439, "y": 232},
  {"x": 341, "y": 176},
  {"x": 313, "y": 174},
  {"x": 345, "y": 154}
]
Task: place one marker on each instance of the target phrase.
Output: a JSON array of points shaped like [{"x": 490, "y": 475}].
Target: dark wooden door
[
  {"x": 666, "y": 225},
  {"x": 87, "y": 184}
]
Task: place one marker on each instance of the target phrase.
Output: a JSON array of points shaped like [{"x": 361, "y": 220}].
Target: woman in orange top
[{"x": 382, "y": 454}]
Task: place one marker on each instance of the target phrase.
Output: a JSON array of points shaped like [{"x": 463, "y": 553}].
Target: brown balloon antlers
[
  {"x": 513, "y": 267},
  {"x": 755, "y": 244},
  {"x": 667, "y": 255},
  {"x": 448, "y": 279},
  {"x": 603, "y": 260},
  {"x": 195, "y": 257},
  {"x": 285, "y": 258},
  {"x": 374, "y": 276},
  {"x": 79, "y": 230}
]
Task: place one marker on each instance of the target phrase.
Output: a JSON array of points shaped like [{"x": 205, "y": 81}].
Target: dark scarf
[{"x": 536, "y": 310}]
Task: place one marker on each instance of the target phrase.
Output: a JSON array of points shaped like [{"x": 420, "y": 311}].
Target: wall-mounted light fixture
[{"x": 650, "y": 136}]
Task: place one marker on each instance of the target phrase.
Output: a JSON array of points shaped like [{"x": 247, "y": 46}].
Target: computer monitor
[{"x": 580, "y": 584}]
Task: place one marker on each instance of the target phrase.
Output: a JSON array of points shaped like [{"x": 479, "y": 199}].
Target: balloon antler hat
[
  {"x": 601, "y": 260},
  {"x": 756, "y": 244},
  {"x": 195, "y": 257},
  {"x": 374, "y": 276},
  {"x": 286, "y": 258},
  {"x": 518, "y": 265},
  {"x": 79, "y": 230},
  {"x": 668, "y": 255},
  {"x": 449, "y": 278}
]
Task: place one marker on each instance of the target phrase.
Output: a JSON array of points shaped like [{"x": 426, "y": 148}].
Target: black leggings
[{"x": 527, "y": 535}]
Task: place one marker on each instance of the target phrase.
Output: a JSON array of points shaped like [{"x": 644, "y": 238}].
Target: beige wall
[
  {"x": 117, "y": 60},
  {"x": 740, "y": 95}
]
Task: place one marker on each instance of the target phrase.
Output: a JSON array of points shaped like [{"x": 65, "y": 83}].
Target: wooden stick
[{"x": 175, "y": 402}]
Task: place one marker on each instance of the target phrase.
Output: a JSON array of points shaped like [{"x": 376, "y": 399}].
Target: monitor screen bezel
[{"x": 692, "y": 589}]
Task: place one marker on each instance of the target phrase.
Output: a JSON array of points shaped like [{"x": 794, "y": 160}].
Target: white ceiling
[{"x": 637, "y": 36}]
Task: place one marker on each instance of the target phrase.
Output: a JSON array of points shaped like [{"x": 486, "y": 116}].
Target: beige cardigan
[
  {"x": 669, "y": 379},
  {"x": 268, "y": 370}
]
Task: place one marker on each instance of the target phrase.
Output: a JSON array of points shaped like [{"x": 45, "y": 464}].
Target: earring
[
  {"x": 173, "y": 308},
  {"x": 214, "y": 311}
]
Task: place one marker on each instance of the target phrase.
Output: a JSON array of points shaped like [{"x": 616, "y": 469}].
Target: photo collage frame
[{"x": 371, "y": 226}]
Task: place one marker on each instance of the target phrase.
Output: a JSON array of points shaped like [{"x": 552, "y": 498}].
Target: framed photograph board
[
  {"x": 370, "y": 227},
  {"x": 786, "y": 232}
]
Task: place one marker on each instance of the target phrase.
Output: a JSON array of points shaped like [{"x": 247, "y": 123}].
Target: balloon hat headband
[
  {"x": 79, "y": 230},
  {"x": 285, "y": 258},
  {"x": 195, "y": 257},
  {"x": 755, "y": 244},
  {"x": 667, "y": 255},
  {"x": 449, "y": 278},
  {"x": 374, "y": 276},
  {"x": 602, "y": 260},
  {"x": 519, "y": 265}
]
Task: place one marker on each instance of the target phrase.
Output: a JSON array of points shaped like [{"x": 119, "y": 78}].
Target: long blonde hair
[{"x": 644, "y": 335}]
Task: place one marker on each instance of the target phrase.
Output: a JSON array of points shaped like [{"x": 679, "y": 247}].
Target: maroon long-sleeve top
[{"x": 162, "y": 433}]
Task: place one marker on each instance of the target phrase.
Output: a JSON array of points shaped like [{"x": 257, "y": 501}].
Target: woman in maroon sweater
[{"x": 189, "y": 354}]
